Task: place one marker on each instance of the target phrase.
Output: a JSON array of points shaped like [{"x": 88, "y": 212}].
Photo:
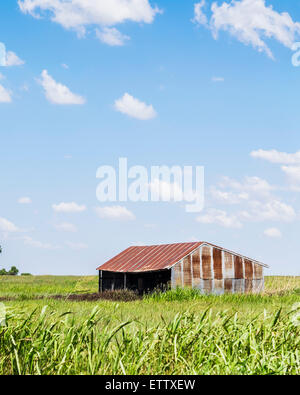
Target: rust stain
[
  {"x": 196, "y": 268},
  {"x": 206, "y": 263},
  {"x": 238, "y": 267},
  {"x": 218, "y": 272},
  {"x": 187, "y": 274},
  {"x": 228, "y": 285},
  {"x": 248, "y": 269},
  {"x": 228, "y": 265},
  {"x": 258, "y": 272}
]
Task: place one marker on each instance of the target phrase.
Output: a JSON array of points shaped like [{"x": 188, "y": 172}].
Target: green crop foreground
[{"x": 177, "y": 332}]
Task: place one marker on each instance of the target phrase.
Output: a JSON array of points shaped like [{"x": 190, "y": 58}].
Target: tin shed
[{"x": 200, "y": 265}]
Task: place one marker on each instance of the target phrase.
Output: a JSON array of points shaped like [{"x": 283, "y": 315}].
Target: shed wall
[{"x": 213, "y": 270}]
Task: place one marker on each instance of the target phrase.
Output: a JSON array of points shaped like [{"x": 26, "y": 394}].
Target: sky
[{"x": 176, "y": 83}]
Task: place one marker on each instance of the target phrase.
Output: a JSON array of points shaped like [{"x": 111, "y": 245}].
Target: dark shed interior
[{"x": 141, "y": 282}]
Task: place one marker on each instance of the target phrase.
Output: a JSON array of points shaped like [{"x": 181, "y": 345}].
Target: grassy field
[{"x": 178, "y": 332}]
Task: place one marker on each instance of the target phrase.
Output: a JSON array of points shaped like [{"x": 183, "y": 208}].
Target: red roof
[{"x": 149, "y": 258}]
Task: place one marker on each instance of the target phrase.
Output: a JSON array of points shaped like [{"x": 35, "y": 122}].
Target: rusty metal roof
[
  {"x": 156, "y": 257},
  {"x": 149, "y": 258}
]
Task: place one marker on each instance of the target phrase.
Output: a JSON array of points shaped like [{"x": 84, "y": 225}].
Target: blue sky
[{"x": 224, "y": 95}]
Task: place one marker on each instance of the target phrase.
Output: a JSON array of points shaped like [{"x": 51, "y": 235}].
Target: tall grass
[{"x": 208, "y": 343}]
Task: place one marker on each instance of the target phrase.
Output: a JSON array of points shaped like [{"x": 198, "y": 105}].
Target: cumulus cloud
[
  {"x": 134, "y": 108},
  {"x": 57, "y": 93},
  {"x": 24, "y": 200},
  {"x": 273, "y": 210},
  {"x": 278, "y": 157},
  {"x": 111, "y": 36},
  {"x": 66, "y": 227},
  {"x": 290, "y": 163},
  {"x": 5, "y": 95},
  {"x": 219, "y": 217},
  {"x": 71, "y": 207},
  {"x": 79, "y": 14},
  {"x": 7, "y": 226},
  {"x": 251, "y": 22},
  {"x": 13, "y": 60},
  {"x": 115, "y": 212},
  {"x": 273, "y": 232}
]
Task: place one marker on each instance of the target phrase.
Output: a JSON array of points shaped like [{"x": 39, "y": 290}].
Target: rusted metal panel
[
  {"x": 248, "y": 286},
  {"x": 196, "y": 269},
  {"x": 217, "y": 259},
  {"x": 187, "y": 272},
  {"x": 238, "y": 286},
  {"x": 228, "y": 285},
  {"x": 248, "y": 269},
  {"x": 238, "y": 267},
  {"x": 206, "y": 263},
  {"x": 207, "y": 286},
  {"x": 177, "y": 276},
  {"x": 228, "y": 265},
  {"x": 258, "y": 272},
  {"x": 218, "y": 287}
]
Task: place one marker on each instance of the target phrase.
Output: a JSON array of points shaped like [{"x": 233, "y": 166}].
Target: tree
[{"x": 13, "y": 271}]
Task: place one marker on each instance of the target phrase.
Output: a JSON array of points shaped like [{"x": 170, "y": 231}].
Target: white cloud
[
  {"x": 200, "y": 17},
  {"x": 251, "y": 22},
  {"x": 254, "y": 186},
  {"x": 66, "y": 227},
  {"x": 7, "y": 226},
  {"x": 293, "y": 174},
  {"x": 115, "y": 212},
  {"x": 273, "y": 210},
  {"x": 79, "y": 14},
  {"x": 71, "y": 207},
  {"x": 111, "y": 36},
  {"x": 76, "y": 246},
  {"x": 57, "y": 93},
  {"x": 24, "y": 200},
  {"x": 273, "y": 232},
  {"x": 64, "y": 66},
  {"x": 134, "y": 108},
  {"x": 13, "y": 60},
  {"x": 219, "y": 217},
  {"x": 228, "y": 197},
  {"x": 278, "y": 157},
  {"x": 5, "y": 95},
  {"x": 38, "y": 244}
]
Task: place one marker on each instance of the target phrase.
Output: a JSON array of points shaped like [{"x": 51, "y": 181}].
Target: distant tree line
[{"x": 12, "y": 272}]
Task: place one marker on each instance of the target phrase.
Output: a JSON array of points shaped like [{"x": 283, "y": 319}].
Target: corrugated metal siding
[
  {"x": 216, "y": 271},
  {"x": 196, "y": 269},
  {"x": 206, "y": 263},
  {"x": 217, "y": 259}
]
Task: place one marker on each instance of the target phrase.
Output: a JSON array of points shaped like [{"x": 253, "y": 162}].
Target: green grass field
[{"x": 178, "y": 332}]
